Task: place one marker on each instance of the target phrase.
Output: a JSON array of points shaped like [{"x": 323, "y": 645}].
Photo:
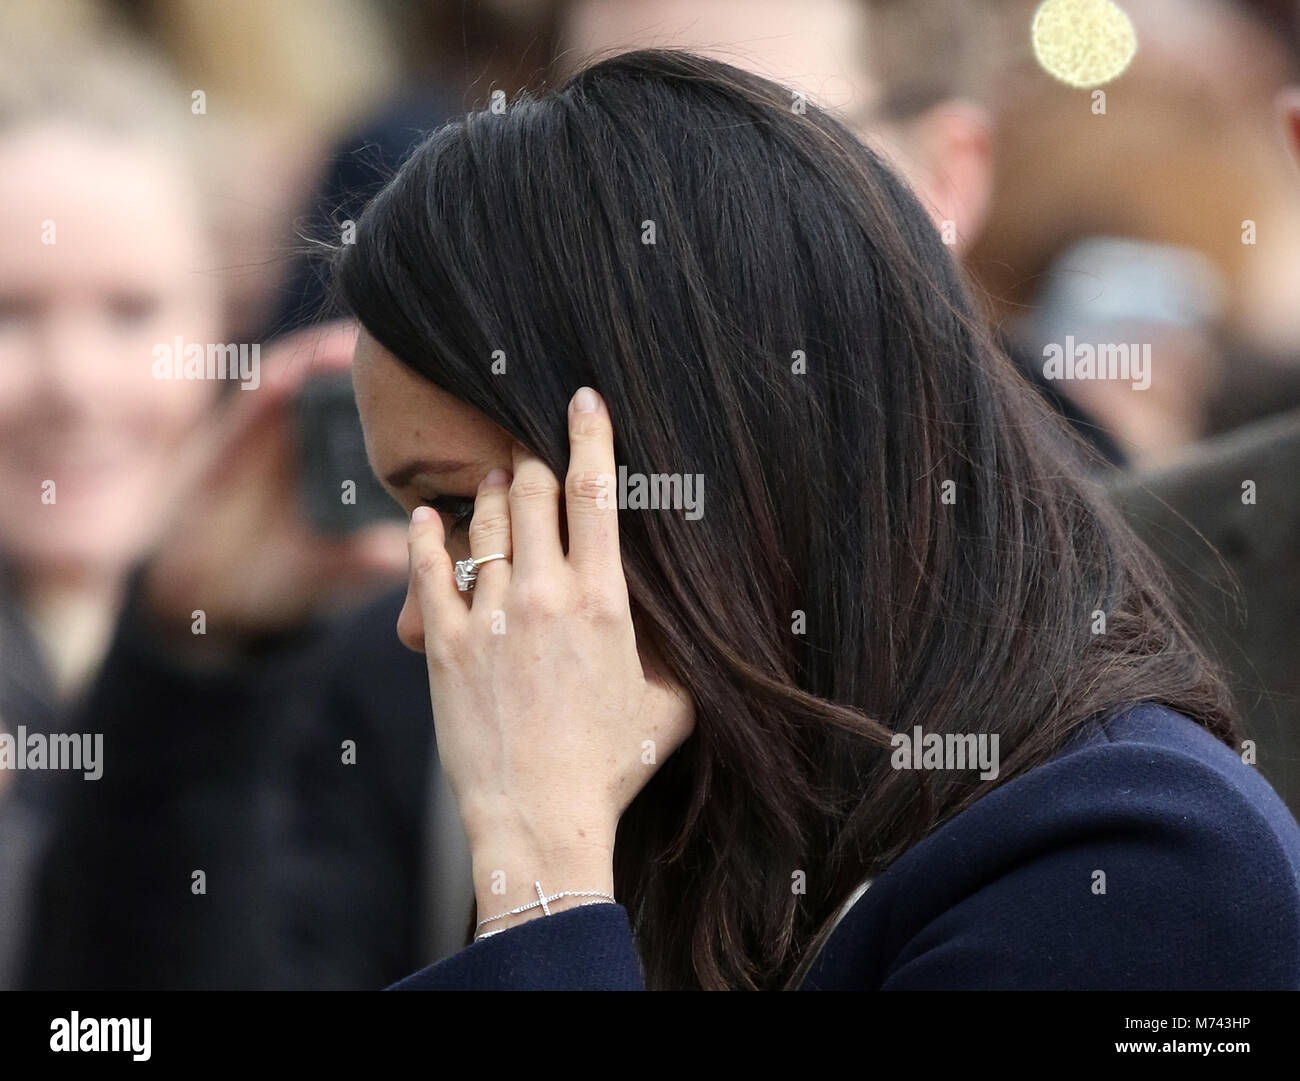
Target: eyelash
[{"x": 459, "y": 509}]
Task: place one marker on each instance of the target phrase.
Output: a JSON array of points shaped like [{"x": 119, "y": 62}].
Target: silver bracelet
[{"x": 543, "y": 901}]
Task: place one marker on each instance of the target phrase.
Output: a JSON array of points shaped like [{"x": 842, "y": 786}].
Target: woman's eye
[
  {"x": 455, "y": 510},
  {"x": 133, "y": 309},
  {"x": 15, "y": 310}
]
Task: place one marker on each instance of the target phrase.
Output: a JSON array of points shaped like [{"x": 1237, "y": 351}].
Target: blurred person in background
[
  {"x": 908, "y": 78},
  {"x": 278, "y": 83},
  {"x": 103, "y": 257},
  {"x": 140, "y": 209},
  {"x": 264, "y": 88}
]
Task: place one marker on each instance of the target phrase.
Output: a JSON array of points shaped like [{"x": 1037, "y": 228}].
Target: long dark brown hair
[{"x": 897, "y": 532}]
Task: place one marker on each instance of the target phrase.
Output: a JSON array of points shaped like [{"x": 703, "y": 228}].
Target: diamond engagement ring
[{"x": 467, "y": 570}]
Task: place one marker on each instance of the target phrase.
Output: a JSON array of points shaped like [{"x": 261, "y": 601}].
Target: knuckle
[
  {"x": 600, "y": 607},
  {"x": 488, "y": 526},
  {"x": 538, "y": 601},
  {"x": 428, "y": 562},
  {"x": 533, "y": 487},
  {"x": 445, "y": 650},
  {"x": 591, "y": 488},
  {"x": 586, "y": 425}
]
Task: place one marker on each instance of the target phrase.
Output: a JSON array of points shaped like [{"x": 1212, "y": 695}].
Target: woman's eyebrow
[{"x": 403, "y": 475}]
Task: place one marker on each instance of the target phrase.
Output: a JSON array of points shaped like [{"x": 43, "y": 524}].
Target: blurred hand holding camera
[{"x": 238, "y": 547}]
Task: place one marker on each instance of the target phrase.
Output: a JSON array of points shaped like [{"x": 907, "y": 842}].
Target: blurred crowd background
[{"x": 270, "y": 812}]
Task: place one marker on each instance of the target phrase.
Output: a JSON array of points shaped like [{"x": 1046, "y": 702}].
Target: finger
[
  {"x": 378, "y": 551},
  {"x": 433, "y": 583},
  {"x": 535, "y": 516},
  {"x": 489, "y": 533},
  {"x": 326, "y": 349},
  {"x": 590, "y": 492},
  {"x": 287, "y": 366}
]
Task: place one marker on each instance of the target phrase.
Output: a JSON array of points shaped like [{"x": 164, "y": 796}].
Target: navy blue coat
[{"x": 1202, "y": 887}]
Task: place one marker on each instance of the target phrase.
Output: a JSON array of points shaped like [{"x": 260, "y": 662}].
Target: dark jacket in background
[
  {"x": 27, "y": 700},
  {"x": 1233, "y": 555},
  {"x": 314, "y": 868}
]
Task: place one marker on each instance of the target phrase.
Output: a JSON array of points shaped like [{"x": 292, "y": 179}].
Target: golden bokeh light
[{"x": 1084, "y": 43}]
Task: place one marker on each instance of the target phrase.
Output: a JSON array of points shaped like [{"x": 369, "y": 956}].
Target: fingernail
[
  {"x": 421, "y": 514},
  {"x": 585, "y": 401},
  {"x": 496, "y": 476}
]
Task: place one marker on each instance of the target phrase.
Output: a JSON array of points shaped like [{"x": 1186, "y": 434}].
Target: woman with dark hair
[{"x": 902, "y": 644}]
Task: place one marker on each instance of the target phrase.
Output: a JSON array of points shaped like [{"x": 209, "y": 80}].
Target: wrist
[
  {"x": 507, "y": 874},
  {"x": 507, "y": 826}
]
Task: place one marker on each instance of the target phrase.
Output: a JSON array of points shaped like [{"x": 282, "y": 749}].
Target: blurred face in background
[{"x": 101, "y": 261}]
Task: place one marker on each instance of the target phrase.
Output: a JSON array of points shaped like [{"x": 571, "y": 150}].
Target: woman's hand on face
[{"x": 548, "y": 723}]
